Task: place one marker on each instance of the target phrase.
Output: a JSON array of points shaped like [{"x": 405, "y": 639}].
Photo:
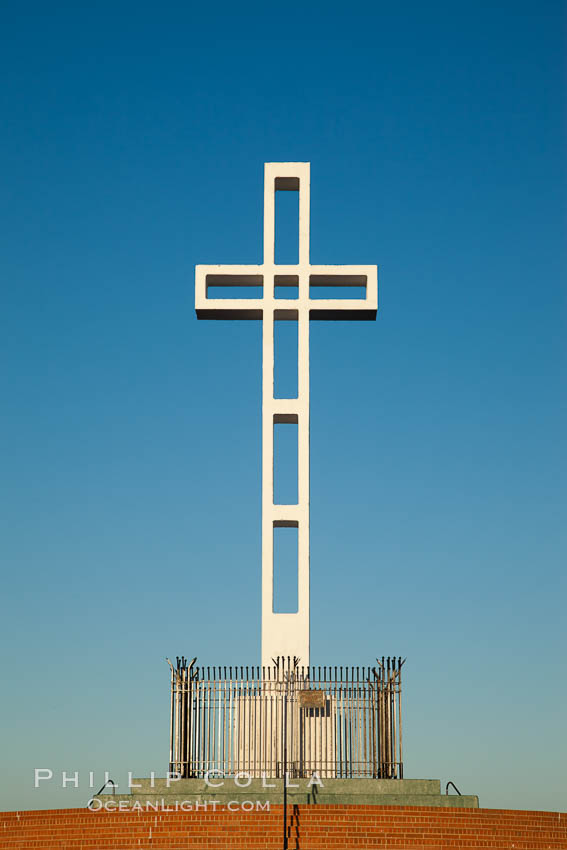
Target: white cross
[{"x": 285, "y": 634}]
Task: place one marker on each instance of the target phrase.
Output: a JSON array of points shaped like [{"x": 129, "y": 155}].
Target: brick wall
[{"x": 310, "y": 828}]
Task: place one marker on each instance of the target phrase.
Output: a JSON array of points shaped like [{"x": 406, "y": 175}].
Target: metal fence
[{"x": 338, "y": 722}]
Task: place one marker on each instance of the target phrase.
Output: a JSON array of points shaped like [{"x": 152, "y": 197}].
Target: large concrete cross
[{"x": 285, "y": 633}]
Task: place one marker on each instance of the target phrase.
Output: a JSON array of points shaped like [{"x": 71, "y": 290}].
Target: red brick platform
[{"x": 316, "y": 827}]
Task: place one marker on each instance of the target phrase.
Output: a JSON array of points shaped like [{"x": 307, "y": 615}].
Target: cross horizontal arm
[
  {"x": 365, "y": 277},
  {"x": 311, "y": 281},
  {"x": 208, "y": 307}
]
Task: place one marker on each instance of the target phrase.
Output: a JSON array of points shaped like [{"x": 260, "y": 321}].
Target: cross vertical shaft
[{"x": 285, "y": 633}]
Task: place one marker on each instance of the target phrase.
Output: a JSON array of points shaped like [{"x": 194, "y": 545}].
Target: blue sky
[{"x": 133, "y": 144}]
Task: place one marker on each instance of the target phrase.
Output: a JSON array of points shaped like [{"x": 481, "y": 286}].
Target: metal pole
[
  {"x": 171, "y": 714},
  {"x": 285, "y": 763}
]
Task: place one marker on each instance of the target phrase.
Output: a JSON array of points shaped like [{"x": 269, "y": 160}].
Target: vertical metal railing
[{"x": 338, "y": 722}]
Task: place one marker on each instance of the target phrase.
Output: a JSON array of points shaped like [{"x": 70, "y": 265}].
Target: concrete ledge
[{"x": 364, "y": 792}]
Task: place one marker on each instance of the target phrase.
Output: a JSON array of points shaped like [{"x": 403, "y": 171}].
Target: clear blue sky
[{"x": 132, "y": 144}]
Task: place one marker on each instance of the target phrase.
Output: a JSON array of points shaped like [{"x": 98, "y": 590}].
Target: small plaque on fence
[{"x": 312, "y": 699}]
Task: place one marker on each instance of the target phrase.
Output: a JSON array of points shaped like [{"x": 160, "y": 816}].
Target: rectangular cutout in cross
[
  {"x": 285, "y": 460},
  {"x": 286, "y": 286},
  {"x": 234, "y": 286},
  {"x": 285, "y": 593},
  {"x": 330, "y": 286},
  {"x": 286, "y": 221},
  {"x": 285, "y": 354}
]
